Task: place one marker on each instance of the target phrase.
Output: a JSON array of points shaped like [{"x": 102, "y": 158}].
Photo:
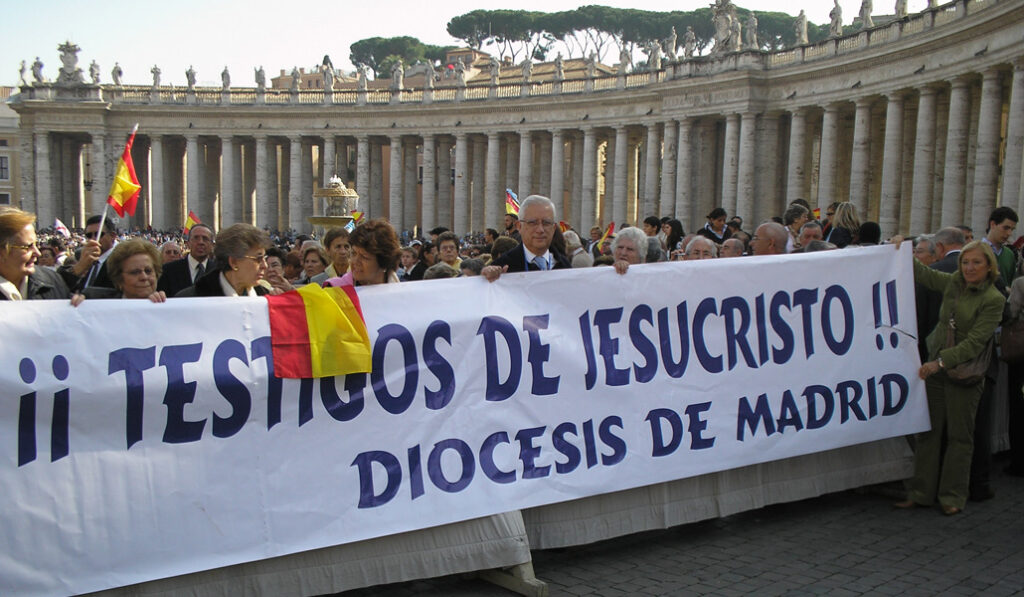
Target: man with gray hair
[
  {"x": 536, "y": 226},
  {"x": 924, "y": 249},
  {"x": 732, "y": 247},
  {"x": 770, "y": 238},
  {"x": 947, "y": 243}
]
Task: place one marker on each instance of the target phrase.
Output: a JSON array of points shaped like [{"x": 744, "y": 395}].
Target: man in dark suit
[
  {"x": 947, "y": 243},
  {"x": 179, "y": 275},
  {"x": 536, "y": 227}
]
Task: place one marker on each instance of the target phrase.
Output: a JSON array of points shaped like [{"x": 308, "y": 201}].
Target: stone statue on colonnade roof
[
  {"x": 37, "y": 72},
  {"x": 866, "y": 8},
  {"x": 835, "y": 27},
  {"x": 495, "y": 69},
  {"x": 723, "y": 13},
  {"x": 689, "y": 42},
  {"x": 671, "y": 43},
  {"x": 800, "y": 29},
  {"x": 116, "y": 73},
  {"x": 156, "y": 76},
  {"x": 21, "y": 74},
  {"x": 901, "y": 9},
  {"x": 398, "y": 75},
  {"x": 261, "y": 78},
  {"x": 190, "y": 78},
  {"x": 69, "y": 73},
  {"x": 94, "y": 73},
  {"x": 559, "y": 68},
  {"x": 225, "y": 79},
  {"x": 751, "y": 40}
]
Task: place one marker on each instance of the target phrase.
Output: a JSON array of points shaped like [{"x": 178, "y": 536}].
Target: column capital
[
  {"x": 1018, "y": 64},
  {"x": 896, "y": 96},
  {"x": 990, "y": 73},
  {"x": 961, "y": 81},
  {"x": 928, "y": 90},
  {"x": 864, "y": 101}
]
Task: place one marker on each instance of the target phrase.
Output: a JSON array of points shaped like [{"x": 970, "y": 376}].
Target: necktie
[
  {"x": 200, "y": 270},
  {"x": 541, "y": 263}
]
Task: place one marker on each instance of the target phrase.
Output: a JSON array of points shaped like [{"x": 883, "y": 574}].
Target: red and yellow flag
[
  {"x": 511, "y": 202},
  {"x": 563, "y": 226},
  {"x": 124, "y": 192},
  {"x": 318, "y": 332},
  {"x": 191, "y": 220},
  {"x": 608, "y": 232},
  {"x": 357, "y": 216}
]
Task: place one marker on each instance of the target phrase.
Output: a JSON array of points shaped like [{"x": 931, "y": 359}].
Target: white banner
[{"x": 144, "y": 440}]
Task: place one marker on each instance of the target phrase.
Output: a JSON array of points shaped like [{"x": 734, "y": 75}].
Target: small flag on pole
[
  {"x": 357, "y": 216},
  {"x": 191, "y": 220},
  {"x": 511, "y": 202},
  {"x": 61, "y": 228},
  {"x": 608, "y": 232},
  {"x": 817, "y": 213},
  {"x": 124, "y": 192}
]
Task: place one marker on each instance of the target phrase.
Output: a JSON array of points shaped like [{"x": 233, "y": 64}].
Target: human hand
[
  {"x": 76, "y": 299},
  {"x": 158, "y": 297},
  {"x": 928, "y": 369},
  {"x": 90, "y": 254},
  {"x": 493, "y": 272},
  {"x": 621, "y": 266}
]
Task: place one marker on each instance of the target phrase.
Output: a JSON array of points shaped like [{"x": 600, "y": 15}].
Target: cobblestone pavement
[{"x": 847, "y": 543}]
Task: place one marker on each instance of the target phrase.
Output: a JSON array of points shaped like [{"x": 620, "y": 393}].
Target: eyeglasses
[
  {"x": 535, "y": 223},
  {"x": 257, "y": 258},
  {"x": 32, "y": 247},
  {"x": 146, "y": 271},
  {"x": 92, "y": 235}
]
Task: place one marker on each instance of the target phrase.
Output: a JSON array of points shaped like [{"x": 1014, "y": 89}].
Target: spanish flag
[
  {"x": 511, "y": 202},
  {"x": 563, "y": 226},
  {"x": 318, "y": 332},
  {"x": 124, "y": 192},
  {"x": 191, "y": 220},
  {"x": 608, "y": 232},
  {"x": 357, "y": 216}
]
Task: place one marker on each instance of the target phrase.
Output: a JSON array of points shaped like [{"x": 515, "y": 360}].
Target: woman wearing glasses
[
  {"x": 134, "y": 267},
  {"x": 20, "y": 279},
  {"x": 241, "y": 255}
]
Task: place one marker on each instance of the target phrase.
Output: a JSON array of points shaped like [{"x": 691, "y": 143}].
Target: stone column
[
  {"x": 479, "y": 178},
  {"x": 525, "y": 165},
  {"x": 296, "y": 216},
  {"x": 44, "y": 190},
  {"x": 588, "y": 186},
  {"x": 65, "y": 198},
  {"x": 955, "y": 171},
  {"x": 684, "y": 172},
  {"x": 230, "y": 205},
  {"x": 100, "y": 183},
  {"x": 544, "y": 167},
  {"x": 860, "y": 161},
  {"x": 827, "y": 161},
  {"x": 730, "y": 163},
  {"x": 266, "y": 197},
  {"x": 330, "y": 159},
  {"x": 1014, "y": 158},
  {"x": 558, "y": 174},
  {"x": 160, "y": 216},
  {"x": 460, "y": 204},
  {"x": 492, "y": 198},
  {"x": 924, "y": 163},
  {"x": 429, "y": 194},
  {"x": 512, "y": 162},
  {"x": 410, "y": 201},
  {"x": 670, "y": 149},
  {"x": 194, "y": 182},
  {"x": 747, "y": 160},
  {"x": 892, "y": 167},
  {"x": 395, "y": 213},
  {"x": 797, "y": 142},
  {"x": 651, "y": 189},
  {"x": 619, "y": 192},
  {"x": 376, "y": 193},
  {"x": 444, "y": 182},
  {"x": 576, "y": 175},
  {"x": 986, "y": 159},
  {"x": 363, "y": 174},
  {"x": 768, "y": 200}
]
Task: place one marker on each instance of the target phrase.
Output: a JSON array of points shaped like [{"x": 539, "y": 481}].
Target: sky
[{"x": 243, "y": 34}]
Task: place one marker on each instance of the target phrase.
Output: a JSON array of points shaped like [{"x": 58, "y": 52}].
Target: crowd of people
[{"x": 965, "y": 288}]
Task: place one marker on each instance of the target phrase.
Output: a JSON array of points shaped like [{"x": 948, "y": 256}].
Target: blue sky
[{"x": 241, "y": 35}]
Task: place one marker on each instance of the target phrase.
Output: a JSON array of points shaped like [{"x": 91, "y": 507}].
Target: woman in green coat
[{"x": 976, "y": 306}]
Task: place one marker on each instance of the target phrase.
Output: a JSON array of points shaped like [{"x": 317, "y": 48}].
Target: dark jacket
[
  {"x": 516, "y": 260},
  {"x": 209, "y": 285},
  {"x": 177, "y": 276},
  {"x": 929, "y": 302},
  {"x": 44, "y": 284}
]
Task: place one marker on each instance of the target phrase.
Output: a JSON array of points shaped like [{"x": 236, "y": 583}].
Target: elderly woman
[
  {"x": 629, "y": 248},
  {"x": 241, "y": 255},
  {"x": 374, "y": 255},
  {"x": 314, "y": 262},
  {"x": 973, "y": 307},
  {"x": 134, "y": 266},
  {"x": 701, "y": 248},
  {"x": 20, "y": 279}
]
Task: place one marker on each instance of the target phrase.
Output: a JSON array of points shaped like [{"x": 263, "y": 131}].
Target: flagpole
[{"x": 103, "y": 218}]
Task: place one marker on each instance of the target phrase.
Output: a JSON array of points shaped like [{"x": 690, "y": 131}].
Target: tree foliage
[
  {"x": 379, "y": 54},
  {"x": 599, "y": 29}
]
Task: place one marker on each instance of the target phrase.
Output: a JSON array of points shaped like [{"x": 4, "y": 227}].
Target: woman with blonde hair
[{"x": 844, "y": 226}]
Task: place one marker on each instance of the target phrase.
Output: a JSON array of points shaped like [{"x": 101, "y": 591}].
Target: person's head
[
  {"x": 811, "y": 230},
  {"x": 846, "y": 217},
  {"x": 47, "y": 256},
  {"x": 924, "y": 249},
  {"x": 314, "y": 260},
  {"x": 436, "y": 232},
  {"x": 818, "y": 245},
  {"x": 106, "y": 240},
  {"x": 630, "y": 245},
  {"x": 292, "y": 266},
  {"x": 673, "y": 233},
  {"x": 978, "y": 263},
  {"x": 769, "y": 239},
  {"x": 700, "y": 248},
  {"x": 448, "y": 247},
  {"x": 275, "y": 261},
  {"x": 440, "y": 270},
  {"x": 510, "y": 221},
  {"x": 375, "y": 251},
  {"x": 654, "y": 251},
  {"x": 830, "y": 211},
  {"x": 503, "y": 245},
  {"x": 731, "y": 247},
  {"x": 58, "y": 244},
  {"x": 716, "y": 219},
  {"x": 490, "y": 235},
  {"x": 200, "y": 242},
  {"x": 336, "y": 243},
  {"x": 537, "y": 223},
  {"x": 19, "y": 251},
  {"x": 802, "y": 203},
  {"x": 795, "y": 216},
  {"x": 652, "y": 224},
  {"x": 134, "y": 266},
  {"x": 595, "y": 233},
  {"x": 241, "y": 249},
  {"x": 170, "y": 251},
  {"x": 471, "y": 267},
  {"x": 869, "y": 233},
  {"x": 948, "y": 239},
  {"x": 1001, "y": 224},
  {"x": 408, "y": 258},
  {"x": 968, "y": 233}
]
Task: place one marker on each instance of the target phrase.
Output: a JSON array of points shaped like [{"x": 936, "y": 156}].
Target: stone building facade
[{"x": 919, "y": 122}]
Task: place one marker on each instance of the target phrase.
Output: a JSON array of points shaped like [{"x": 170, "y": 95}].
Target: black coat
[
  {"x": 209, "y": 285},
  {"x": 44, "y": 284},
  {"x": 929, "y": 302},
  {"x": 516, "y": 260},
  {"x": 177, "y": 276}
]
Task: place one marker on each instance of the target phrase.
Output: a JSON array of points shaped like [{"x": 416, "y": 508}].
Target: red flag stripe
[{"x": 289, "y": 335}]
